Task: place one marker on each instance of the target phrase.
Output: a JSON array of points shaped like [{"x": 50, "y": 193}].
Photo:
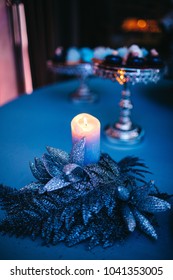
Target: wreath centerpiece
[{"x": 72, "y": 202}]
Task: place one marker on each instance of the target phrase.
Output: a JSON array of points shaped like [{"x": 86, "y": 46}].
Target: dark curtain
[
  {"x": 53, "y": 23},
  {"x": 48, "y": 26}
]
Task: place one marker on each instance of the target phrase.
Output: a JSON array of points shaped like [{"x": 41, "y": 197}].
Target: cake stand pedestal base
[
  {"x": 83, "y": 95},
  {"x": 128, "y": 137}
]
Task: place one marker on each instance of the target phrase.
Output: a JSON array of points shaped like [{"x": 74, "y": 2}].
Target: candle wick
[{"x": 85, "y": 122}]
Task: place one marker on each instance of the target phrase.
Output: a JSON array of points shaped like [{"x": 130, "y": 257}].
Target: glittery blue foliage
[{"x": 72, "y": 202}]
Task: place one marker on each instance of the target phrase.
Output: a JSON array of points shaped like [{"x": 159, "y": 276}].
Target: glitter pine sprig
[{"x": 72, "y": 202}]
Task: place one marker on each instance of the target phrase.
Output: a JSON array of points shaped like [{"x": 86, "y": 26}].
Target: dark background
[{"x": 53, "y": 23}]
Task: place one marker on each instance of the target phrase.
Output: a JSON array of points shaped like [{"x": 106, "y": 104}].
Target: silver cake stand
[
  {"x": 124, "y": 131},
  {"x": 82, "y": 94}
]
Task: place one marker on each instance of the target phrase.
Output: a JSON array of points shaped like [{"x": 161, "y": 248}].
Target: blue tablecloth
[{"x": 30, "y": 123}]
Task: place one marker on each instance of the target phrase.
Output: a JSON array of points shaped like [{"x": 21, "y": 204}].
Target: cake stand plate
[{"x": 83, "y": 93}]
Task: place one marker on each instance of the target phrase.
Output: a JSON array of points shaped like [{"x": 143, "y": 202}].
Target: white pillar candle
[{"x": 85, "y": 125}]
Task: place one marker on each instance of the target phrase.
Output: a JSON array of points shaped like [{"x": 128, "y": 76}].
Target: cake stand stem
[
  {"x": 124, "y": 132},
  {"x": 126, "y": 106},
  {"x": 83, "y": 93}
]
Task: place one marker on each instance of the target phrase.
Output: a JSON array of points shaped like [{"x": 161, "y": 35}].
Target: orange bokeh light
[
  {"x": 120, "y": 77},
  {"x": 141, "y": 23}
]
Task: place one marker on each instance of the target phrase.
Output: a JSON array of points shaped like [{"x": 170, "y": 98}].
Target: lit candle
[{"x": 85, "y": 125}]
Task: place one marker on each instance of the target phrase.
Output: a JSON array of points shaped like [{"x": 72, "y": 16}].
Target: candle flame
[{"x": 85, "y": 121}]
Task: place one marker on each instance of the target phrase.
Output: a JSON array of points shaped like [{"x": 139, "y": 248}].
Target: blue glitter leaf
[
  {"x": 144, "y": 224},
  {"x": 99, "y": 174},
  {"x": 82, "y": 186},
  {"x": 47, "y": 230},
  {"x": 128, "y": 218},
  {"x": 56, "y": 233},
  {"x": 74, "y": 172},
  {"x": 60, "y": 157},
  {"x": 78, "y": 234},
  {"x": 33, "y": 214},
  {"x": 36, "y": 173},
  {"x": 94, "y": 241},
  {"x": 108, "y": 243},
  {"x": 86, "y": 214},
  {"x": 110, "y": 164},
  {"x": 153, "y": 204},
  {"x": 109, "y": 202},
  {"x": 93, "y": 202},
  {"x": 95, "y": 179},
  {"x": 51, "y": 166},
  {"x": 33, "y": 186},
  {"x": 69, "y": 222},
  {"x": 67, "y": 215},
  {"x": 41, "y": 169},
  {"x": 48, "y": 204},
  {"x": 58, "y": 182},
  {"x": 77, "y": 152},
  {"x": 123, "y": 193},
  {"x": 75, "y": 235},
  {"x": 40, "y": 206}
]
